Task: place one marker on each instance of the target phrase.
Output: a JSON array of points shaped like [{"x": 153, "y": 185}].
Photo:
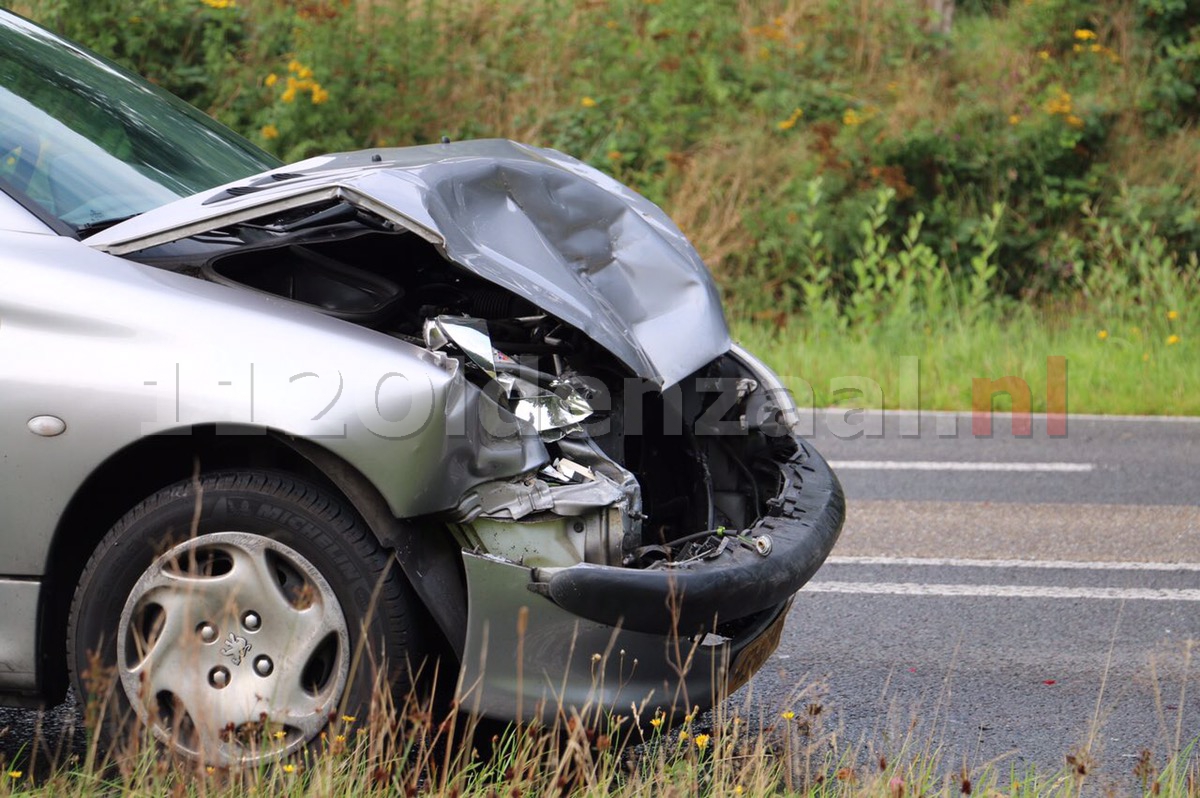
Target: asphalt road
[{"x": 1005, "y": 600}]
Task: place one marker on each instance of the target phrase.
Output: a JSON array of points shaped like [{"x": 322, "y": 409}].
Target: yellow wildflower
[
  {"x": 1077, "y": 48},
  {"x": 1172, "y": 314},
  {"x": 348, "y": 718},
  {"x": 1059, "y": 105},
  {"x": 656, "y": 722},
  {"x": 279, "y": 735},
  {"x": 702, "y": 741},
  {"x": 1083, "y": 35},
  {"x": 683, "y": 735},
  {"x": 341, "y": 738},
  {"x": 294, "y": 65},
  {"x": 611, "y": 24},
  {"x": 738, "y": 790},
  {"x": 304, "y": 73},
  {"x": 614, "y": 155},
  {"x": 1102, "y": 335},
  {"x": 319, "y": 95},
  {"x": 289, "y": 94},
  {"x": 790, "y": 122},
  {"x": 270, "y": 80},
  {"x": 14, "y": 774},
  {"x": 209, "y": 769},
  {"x": 1172, "y": 340},
  {"x": 1096, "y": 48},
  {"x": 1074, "y": 121},
  {"x": 289, "y": 768},
  {"x": 1014, "y": 119},
  {"x": 269, "y": 131},
  {"x": 218, "y": 4},
  {"x": 774, "y": 31},
  {"x": 587, "y": 102},
  {"x": 1044, "y": 55},
  {"x": 851, "y": 118}
]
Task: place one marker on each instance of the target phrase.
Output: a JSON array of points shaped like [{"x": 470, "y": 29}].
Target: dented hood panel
[{"x": 548, "y": 227}]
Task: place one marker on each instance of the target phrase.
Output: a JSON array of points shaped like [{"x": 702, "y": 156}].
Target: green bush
[{"x": 1173, "y": 95}]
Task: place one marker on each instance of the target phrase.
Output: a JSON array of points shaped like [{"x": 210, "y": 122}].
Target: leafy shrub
[{"x": 1173, "y": 95}]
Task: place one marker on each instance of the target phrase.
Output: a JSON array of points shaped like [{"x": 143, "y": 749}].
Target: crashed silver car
[{"x": 266, "y": 430}]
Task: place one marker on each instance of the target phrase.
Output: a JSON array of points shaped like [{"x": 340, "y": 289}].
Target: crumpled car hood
[{"x": 546, "y": 226}]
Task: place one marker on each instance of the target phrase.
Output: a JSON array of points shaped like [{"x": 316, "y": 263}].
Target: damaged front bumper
[
  {"x": 805, "y": 520},
  {"x": 668, "y": 639}
]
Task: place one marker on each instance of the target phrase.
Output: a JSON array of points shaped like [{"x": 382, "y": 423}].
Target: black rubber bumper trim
[{"x": 809, "y": 511}]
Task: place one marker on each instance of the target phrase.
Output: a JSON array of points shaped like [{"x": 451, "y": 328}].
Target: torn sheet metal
[
  {"x": 553, "y": 412},
  {"x": 468, "y": 334}
]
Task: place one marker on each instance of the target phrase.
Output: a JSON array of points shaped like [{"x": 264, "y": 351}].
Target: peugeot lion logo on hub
[{"x": 236, "y": 648}]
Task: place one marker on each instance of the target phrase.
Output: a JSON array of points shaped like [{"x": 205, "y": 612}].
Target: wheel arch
[{"x": 156, "y": 461}]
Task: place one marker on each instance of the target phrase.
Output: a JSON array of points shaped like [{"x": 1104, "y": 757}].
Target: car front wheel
[{"x": 237, "y": 615}]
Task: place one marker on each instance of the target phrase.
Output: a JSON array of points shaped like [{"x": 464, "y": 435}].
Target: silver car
[{"x": 270, "y": 432}]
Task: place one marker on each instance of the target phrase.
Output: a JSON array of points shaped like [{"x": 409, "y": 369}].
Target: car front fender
[{"x": 120, "y": 351}]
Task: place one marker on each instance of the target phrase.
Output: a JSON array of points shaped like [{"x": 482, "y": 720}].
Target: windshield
[{"x": 89, "y": 144}]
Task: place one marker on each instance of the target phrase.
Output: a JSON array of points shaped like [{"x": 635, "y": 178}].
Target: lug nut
[
  {"x": 207, "y": 632},
  {"x": 251, "y": 621},
  {"x": 218, "y": 677},
  {"x": 263, "y": 665}
]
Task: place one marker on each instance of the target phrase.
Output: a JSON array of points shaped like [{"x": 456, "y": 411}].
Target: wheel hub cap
[{"x": 232, "y": 647}]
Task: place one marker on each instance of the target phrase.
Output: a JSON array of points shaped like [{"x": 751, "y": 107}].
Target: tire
[{"x": 236, "y": 616}]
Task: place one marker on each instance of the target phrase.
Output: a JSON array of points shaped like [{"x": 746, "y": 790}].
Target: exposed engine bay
[{"x": 636, "y": 476}]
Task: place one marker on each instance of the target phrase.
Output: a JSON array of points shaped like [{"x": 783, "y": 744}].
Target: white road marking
[
  {"x": 967, "y": 415},
  {"x": 957, "y": 465},
  {"x": 1070, "y": 565},
  {"x": 1002, "y": 591}
]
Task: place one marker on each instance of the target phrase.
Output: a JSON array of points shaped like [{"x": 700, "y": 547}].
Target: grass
[
  {"x": 795, "y": 746},
  {"x": 920, "y": 337},
  {"x": 411, "y": 750},
  {"x": 1115, "y": 365}
]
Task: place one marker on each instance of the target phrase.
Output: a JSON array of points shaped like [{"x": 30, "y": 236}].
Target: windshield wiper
[{"x": 85, "y": 230}]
